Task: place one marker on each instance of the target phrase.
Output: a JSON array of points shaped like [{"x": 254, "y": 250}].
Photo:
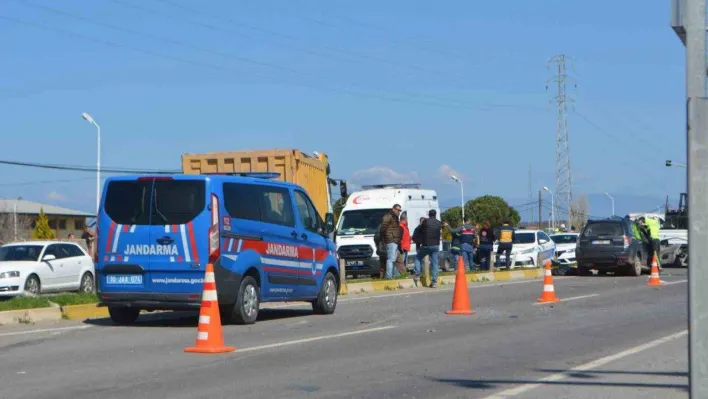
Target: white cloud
[
  {"x": 382, "y": 175},
  {"x": 55, "y": 196},
  {"x": 445, "y": 171}
]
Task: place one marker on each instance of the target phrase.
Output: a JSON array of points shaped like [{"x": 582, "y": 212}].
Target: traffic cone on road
[
  {"x": 549, "y": 293},
  {"x": 654, "y": 279},
  {"x": 209, "y": 337},
  {"x": 460, "y": 297}
]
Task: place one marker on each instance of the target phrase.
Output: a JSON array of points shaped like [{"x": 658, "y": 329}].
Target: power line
[
  {"x": 85, "y": 168},
  {"x": 406, "y": 96},
  {"x": 38, "y": 182}
]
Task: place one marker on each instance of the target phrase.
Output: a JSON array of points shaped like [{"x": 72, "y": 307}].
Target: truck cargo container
[{"x": 309, "y": 171}]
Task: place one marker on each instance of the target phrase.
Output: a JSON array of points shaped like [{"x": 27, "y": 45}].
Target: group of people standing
[{"x": 393, "y": 241}]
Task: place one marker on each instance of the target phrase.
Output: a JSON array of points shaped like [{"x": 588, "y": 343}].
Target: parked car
[
  {"x": 611, "y": 245},
  {"x": 565, "y": 248},
  {"x": 36, "y": 267},
  {"x": 531, "y": 249}
]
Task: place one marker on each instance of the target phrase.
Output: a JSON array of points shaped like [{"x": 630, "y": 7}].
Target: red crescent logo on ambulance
[{"x": 360, "y": 199}]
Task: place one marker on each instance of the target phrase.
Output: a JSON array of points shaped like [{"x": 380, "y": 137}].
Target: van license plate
[
  {"x": 124, "y": 279},
  {"x": 601, "y": 242},
  {"x": 355, "y": 263}
]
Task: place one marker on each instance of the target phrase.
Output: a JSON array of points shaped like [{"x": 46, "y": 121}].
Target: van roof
[
  {"x": 376, "y": 198},
  {"x": 209, "y": 177}
]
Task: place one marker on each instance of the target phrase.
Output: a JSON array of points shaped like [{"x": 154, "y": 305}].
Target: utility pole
[
  {"x": 697, "y": 143},
  {"x": 689, "y": 22},
  {"x": 530, "y": 196},
  {"x": 563, "y": 190},
  {"x": 540, "y": 210}
]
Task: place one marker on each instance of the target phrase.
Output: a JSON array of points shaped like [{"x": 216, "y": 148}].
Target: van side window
[
  {"x": 309, "y": 217},
  {"x": 259, "y": 203},
  {"x": 276, "y": 206}
]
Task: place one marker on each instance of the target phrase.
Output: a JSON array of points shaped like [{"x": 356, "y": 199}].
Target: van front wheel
[
  {"x": 326, "y": 301},
  {"x": 248, "y": 302}
]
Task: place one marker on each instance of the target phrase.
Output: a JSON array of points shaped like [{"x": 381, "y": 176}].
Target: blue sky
[{"x": 396, "y": 90}]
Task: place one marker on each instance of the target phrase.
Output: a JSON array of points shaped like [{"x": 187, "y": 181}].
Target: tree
[
  {"x": 452, "y": 216},
  {"x": 579, "y": 212},
  {"x": 9, "y": 222},
  {"x": 491, "y": 208},
  {"x": 42, "y": 231}
]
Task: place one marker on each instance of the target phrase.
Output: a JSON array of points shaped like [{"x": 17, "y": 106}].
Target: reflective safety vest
[{"x": 654, "y": 227}]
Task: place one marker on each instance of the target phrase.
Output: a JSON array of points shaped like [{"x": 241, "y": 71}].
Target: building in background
[{"x": 20, "y": 216}]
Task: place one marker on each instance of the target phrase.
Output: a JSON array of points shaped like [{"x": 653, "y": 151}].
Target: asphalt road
[{"x": 611, "y": 337}]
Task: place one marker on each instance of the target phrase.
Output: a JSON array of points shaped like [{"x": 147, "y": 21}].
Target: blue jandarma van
[{"x": 265, "y": 239}]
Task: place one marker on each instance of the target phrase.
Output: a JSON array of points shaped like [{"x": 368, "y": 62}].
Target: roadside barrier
[
  {"x": 460, "y": 296},
  {"x": 209, "y": 335},
  {"x": 548, "y": 295},
  {"x": 654, "y": 279}
]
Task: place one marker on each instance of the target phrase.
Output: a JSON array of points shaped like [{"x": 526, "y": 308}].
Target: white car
[
  {"x": 36, "y": 267},
  {"x": 565, "y": 247},
  {"x": 531, "y": 249}
]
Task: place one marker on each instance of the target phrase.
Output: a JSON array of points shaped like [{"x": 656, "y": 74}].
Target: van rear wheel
[
  {"x": 123, "y": 316},
  {"x": 245, "y": 310}
]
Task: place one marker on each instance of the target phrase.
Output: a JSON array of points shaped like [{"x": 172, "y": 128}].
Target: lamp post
[
  {"x": 553, "y": 207},
  {"x": 613, "y": 203},
  {"x": 90, "y": 120},
  {"x": 670, "y": 163},
  {"x": 462, "y": 196}
]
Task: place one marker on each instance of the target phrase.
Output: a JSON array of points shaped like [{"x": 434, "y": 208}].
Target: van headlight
[{"x": 11, "y": 274}]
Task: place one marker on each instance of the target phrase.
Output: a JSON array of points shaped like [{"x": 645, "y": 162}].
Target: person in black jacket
[
  {"x": 486, "y": 245},
  {"x": 506, "y": 242},
  {"x": 430, "y": 234}
]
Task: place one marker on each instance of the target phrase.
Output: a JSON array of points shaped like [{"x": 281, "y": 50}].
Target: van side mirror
[
  {"x": 48, "y": 258},
  {"x": 343, "y": 189},
  {"x": 329, "y": 223}
]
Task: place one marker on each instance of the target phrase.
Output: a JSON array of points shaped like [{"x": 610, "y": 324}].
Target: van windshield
[
  {"x": 603, "y": 229},
  {"x": 166, "y": 202},
  {"x": 363, "y": 221}
]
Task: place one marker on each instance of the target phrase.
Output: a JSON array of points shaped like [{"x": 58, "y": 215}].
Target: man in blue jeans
[
  {"x": 430, "y": 234},
  {"x": 391, "y": 233}
]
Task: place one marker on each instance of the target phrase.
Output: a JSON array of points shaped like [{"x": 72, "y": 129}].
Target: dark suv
[{"x": 614, "y": 245}]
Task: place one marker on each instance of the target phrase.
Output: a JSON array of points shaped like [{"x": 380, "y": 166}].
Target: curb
[
  {"x": 30, "y": 316},
  {"x": 83, "y": 312},
  {"x": 393, "y": 285}
]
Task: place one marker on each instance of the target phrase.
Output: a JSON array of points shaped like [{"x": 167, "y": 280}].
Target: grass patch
[
  {"x": 24, "y": 302},
  {"x": 74, "y": 299}
]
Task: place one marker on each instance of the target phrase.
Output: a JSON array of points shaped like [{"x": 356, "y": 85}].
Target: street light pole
[
  {"x": 553, "y": 208},
  {"x": 613, "y": 203},
  {"x": 462, "y": 196},
  {"x": 90, "y": 120},
  {"x": 670, "y": 163}
]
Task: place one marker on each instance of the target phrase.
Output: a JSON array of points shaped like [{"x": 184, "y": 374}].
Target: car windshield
[
  {"x": 524, "y": 238},
  {"x": 365, "y": 221},
  {"x": 603, "y": 229},
  {"x": 20, "y": 253},
  {"x": 564, "y": 239}
]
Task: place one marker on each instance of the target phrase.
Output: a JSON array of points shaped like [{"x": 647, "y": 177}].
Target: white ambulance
[{"x": 361, "y": 218}]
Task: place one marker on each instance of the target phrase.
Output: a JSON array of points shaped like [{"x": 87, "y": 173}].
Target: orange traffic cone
[
  {"x": 549, "y": 293},
  {"x": 209, "y": 338},
  {"x": 460, "y": 297},
  {"x": 654, "y": 279}
]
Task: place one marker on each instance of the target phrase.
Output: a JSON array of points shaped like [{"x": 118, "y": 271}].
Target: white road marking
[
  {"x": 567, "y": 299},
  {"x": 673, "y": 282},
  {"x": 585, "y": 367},
  {"x": 48, "y": 330},
  {"x": 306, "y": 340}
]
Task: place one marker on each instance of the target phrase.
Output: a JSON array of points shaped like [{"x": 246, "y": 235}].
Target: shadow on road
[
  {"x": 501, "y": 383},
  {"x": 588, "y": 374},
  {"x": 191, "y": 319}
]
